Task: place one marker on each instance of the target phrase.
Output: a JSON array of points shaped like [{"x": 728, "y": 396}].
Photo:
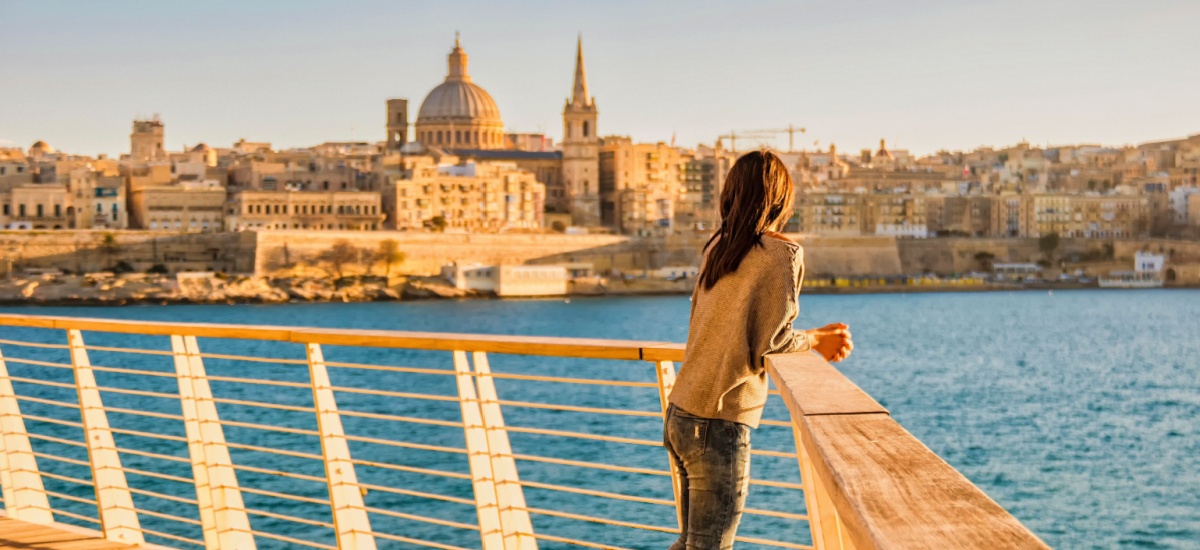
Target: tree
[
  {"x": 108, "y": 245},
  {"x": 436, "y": 224},
  {"x": 1048, "y": 243},
  {"x": 338, "y": 256},
  {"x": 985, "y": 260},
  {"x": 389, "y": 253}
]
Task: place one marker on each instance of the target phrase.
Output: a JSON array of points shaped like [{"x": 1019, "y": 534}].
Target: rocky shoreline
[{"x": 103, "y": 289}]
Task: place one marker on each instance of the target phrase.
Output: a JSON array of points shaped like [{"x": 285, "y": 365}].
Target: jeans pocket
[{"x": 688, "y": 436}]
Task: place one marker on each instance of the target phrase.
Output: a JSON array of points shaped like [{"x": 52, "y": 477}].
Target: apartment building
[
  {"x": 641, "y": 185},
  {"x": 311, "y": 210},
  {"x": 466, "y": 196},
  {"x": 189, "y": 207}
]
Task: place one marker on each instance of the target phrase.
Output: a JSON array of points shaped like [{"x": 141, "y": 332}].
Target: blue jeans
[{"x": 713, "y": 460}]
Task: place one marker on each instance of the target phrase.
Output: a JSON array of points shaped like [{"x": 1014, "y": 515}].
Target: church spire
[
  {"x": 458, "y": 62},
  {"x": 579, "y": 96}
]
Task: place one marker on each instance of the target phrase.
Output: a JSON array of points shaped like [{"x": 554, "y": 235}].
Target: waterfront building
[
  {"x": 828, "y": 212},
  {"x": 1089, "y": 216},
  {"x": 640, "y": 185},
  {"x": 509, "y": 280},
  {"x": 546, "y": 167},
  {"x": 34, "y": 206},
  {"x": 896, "y": 215},
  {"x": 458, "y": 112},
  {"x": 459, "y": 195},
  {"x": 146, "y": 141},
  {"x": 959, "y": 215},
  {"x": 311, "y": 210},
  {"x": 187, "y": 207},
  {"x": 97, "y": 201}
]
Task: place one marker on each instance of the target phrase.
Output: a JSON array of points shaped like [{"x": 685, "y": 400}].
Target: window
[
  {"x": 586, "y": 128},
  {"x": 40, "y": 211},
  {"x": 457, "y": 137}
]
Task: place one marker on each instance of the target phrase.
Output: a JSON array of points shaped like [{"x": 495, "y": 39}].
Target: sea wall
[
  {"x": 304, "y": 253},
  {"x": 91, "y": 251}
]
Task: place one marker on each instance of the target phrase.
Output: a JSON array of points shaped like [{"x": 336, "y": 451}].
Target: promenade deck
[{"x": 21, "y": 535}]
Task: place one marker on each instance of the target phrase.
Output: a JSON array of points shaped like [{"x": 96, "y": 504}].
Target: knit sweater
[{"x": 747, "y": 315}]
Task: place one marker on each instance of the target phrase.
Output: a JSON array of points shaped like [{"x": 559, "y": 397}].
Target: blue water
[{"x": 1077, "y": 412}]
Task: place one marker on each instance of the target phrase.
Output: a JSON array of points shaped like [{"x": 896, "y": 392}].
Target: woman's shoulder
[{"x": 782, "y": 243}]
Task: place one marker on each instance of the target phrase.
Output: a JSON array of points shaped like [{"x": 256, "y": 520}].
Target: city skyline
[{"x": 927, "y": 76}]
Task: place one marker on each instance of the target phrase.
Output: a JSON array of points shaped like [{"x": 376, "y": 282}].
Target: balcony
[{"x": 235, "y": 437}]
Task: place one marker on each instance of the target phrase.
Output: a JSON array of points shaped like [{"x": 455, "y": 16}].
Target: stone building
[
  {"x": 190, "y": 207},
  {"x": 35, "y": 206},
  {"x": 98, "y": 201},
  {"x": 466, "y": 196},
  {"x": 459, "y": 113},
  {"x": 397, "y": 123},
  {"x": 1089, "y": 216},
  {"x": 312, "y": 210},
  {"x": 828, "y": 212},
  {"x": 146, "y": 141},
  {"x": 640, "y": 185}
]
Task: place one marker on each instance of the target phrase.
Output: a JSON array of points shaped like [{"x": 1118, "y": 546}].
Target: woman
[{"x": 742, "y": 310}]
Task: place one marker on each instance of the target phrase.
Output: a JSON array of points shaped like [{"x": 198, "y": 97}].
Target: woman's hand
[{"x": 832, "y": 341}]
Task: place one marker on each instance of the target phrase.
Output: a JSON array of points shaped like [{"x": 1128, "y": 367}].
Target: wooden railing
[{"x": 235, "y": 477}]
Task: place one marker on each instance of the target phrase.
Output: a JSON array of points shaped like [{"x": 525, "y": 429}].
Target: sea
[{"x": 1078, "y": 411}]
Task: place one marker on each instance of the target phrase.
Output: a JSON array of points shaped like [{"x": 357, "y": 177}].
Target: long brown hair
[{"x": 757, "y": 198}]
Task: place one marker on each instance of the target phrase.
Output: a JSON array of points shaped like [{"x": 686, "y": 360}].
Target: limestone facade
[
  {"x": 467, "y": 196},
  {"x": 312, "y": 210},
  {"x": 181, "y": 208}
]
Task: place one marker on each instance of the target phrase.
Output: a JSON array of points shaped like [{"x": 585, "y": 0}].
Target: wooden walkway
[{"x": 28, "y": 536}]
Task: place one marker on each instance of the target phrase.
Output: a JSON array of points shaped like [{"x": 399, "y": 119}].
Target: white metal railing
[{"x": 320, "y": 442}]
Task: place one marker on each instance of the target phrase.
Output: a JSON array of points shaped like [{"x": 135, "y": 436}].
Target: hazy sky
[{"x": 924, "y": 74}]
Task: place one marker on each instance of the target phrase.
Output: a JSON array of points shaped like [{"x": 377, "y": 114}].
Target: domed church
[{"x": 458, "y": 113}]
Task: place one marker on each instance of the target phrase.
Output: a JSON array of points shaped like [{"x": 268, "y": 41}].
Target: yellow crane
[{"x": 770, "y": 133}]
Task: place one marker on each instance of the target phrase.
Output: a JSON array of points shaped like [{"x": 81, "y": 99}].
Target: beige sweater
[{"x": 745, "y": 316}]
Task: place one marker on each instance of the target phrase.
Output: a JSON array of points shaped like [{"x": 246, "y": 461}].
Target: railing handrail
[
  {"x": 886, "y": 489},
  {"x": 867, "y": 482},
  {"x": 590, "y": 348}
]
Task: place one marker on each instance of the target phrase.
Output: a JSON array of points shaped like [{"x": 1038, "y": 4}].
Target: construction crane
[
  {"x": 733, "y": 136},
  {"x": 762, "y": 135}
]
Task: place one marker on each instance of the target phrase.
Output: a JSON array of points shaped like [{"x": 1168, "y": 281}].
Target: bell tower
[
  {"x": 397, "y": 123},
  {"x": 581, "y": 149}
]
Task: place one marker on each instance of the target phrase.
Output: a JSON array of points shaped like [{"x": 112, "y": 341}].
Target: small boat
[{"x": 1131, "y": 279}]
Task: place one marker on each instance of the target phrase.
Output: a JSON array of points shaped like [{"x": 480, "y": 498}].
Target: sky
[{"x": 926, "y": 75}]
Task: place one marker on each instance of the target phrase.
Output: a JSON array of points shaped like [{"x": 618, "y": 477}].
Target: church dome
[
  {"x": 458, "y": 112},
  {"x": 202, "y": 148},
  {"x": 456, "y": 100},
  {"x": 40, "y": 146}
]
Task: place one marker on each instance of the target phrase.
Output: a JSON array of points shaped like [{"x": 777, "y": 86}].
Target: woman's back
[{"x": 747, "y": 314}]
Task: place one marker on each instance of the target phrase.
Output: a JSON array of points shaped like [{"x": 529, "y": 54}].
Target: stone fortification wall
[
  {"x": 90, "y": 251},
  {"x": 958, "y": 255},
  {"x": 845, "y": 256},
  {"x": 425, "y": 253}
]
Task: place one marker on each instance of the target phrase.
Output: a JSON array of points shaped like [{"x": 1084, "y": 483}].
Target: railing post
[
  {"x": 350, "y": 518},
  {"x": 118, "y": 517},
  {"x": 666, "y": 381},
  {"x": 510, "y": 497},
  {"x": 222, "y": 512},
  {"x": 483, "y": 480},
  {"x": 20, "y": 480}
]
